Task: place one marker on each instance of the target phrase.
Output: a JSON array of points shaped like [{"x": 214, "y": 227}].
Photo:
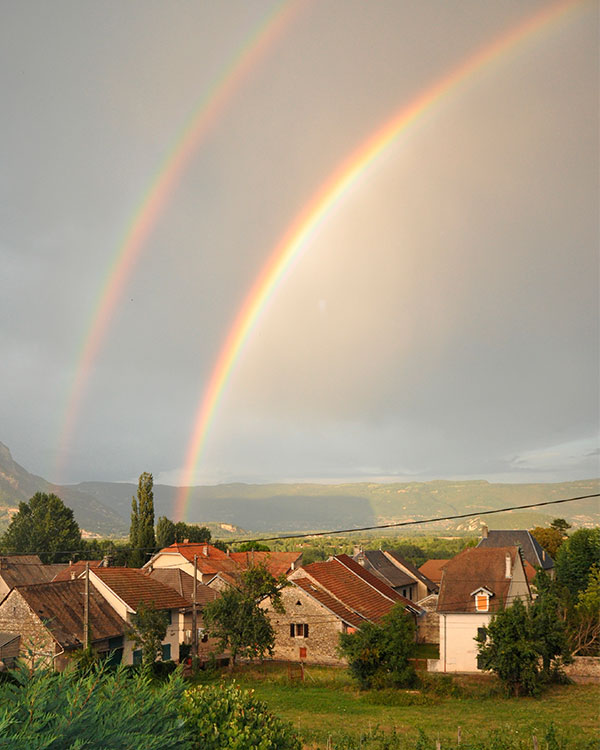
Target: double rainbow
[
  {"x": 156, "y": 197},
  {"x": 319, "y": 208}
]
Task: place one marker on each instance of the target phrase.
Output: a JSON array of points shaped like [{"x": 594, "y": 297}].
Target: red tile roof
[
  {"x": 60, "y": 605},
  {"x": 433, "y": 569},
  {"x": 134, "y": 586},
  {"x": 338, "y": 609},
  {"x": 277, "y": 563},
  {"x": 22, "y": 570},
  {"x": 474, "y": 568},
  {"x": 184, "y": 584},
  {"x": 75, "y": 570},
  {"x": 355, "y": 588}
]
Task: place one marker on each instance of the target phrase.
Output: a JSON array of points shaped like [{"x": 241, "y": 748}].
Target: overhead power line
[
  {"x": 309, "y": 534},
  {"x": 411, "y": 523}
]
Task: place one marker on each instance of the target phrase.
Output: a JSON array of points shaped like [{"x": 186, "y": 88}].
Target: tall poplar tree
[{"x": 141, "y": 532}]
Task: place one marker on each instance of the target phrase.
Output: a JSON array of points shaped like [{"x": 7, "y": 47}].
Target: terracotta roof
[
  {"x": 394, "y": 556},
  {"x": 433, "y": 569},
  {"x": 134, "y": 586},
  {"x": 60, "y": 606},
  {"x": 75, "y": 570},
  {"x": 277, "y": 563},
  {"x": 472, "y": 569},
  {"x": 188, "y": 550},
  {"x": 532, "y": 550},
  {"x": 379, "y": 565},
  {"x": 184, "y": 584},
  {"x": 333, "y": 605},
  {"x": 22, "y": 570},
  {"x": 357, "y": 589}
]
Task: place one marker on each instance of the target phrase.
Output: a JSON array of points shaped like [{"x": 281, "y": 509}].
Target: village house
[
  {"x": 475, "y": 584},
  {"x": 49, "y": 620},
  {"x": 211, "y": 562},
  {"x": 125, "y": 588},
  {"x": 324, "y": 600},
  {"x": 432, "y": 569},
  {"x": 183, "y": 584},
  {"x": 21, "y": 570},
  {"x": 533, "y": 553},
  {"x": 397, "y": 573}
]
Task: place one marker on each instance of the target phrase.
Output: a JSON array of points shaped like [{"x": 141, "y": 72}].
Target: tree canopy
[
  {"x": 576, "y": 558},
  {"x": 45, "y": 526},
  {"x": 236, "y": 618},
  {"x": 378, "y": 654}
]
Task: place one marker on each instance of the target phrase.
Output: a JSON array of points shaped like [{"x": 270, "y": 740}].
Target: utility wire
[{"x": 309, "y": 534}]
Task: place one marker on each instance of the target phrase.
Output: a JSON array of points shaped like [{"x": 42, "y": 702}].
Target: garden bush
[
  {"x": 225, "y": 717},
  {"x": 96, "y": 710}
]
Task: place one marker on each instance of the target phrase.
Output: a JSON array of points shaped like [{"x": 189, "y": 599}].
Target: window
[
  {"x": 166, "y": 651},
  {"x": 298, "y": 630},
  {"x": 137, "y": 656},
  {"x": 481, "y": 634},
  {"x": 482, "y": 602}
]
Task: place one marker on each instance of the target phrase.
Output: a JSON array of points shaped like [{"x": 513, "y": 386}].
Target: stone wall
[
  {"x": 324, "y": 628},
  {"x": 17, "y": 617},
  {"x": 584, "y": 669},
  {"x": 428, "y": 625}
]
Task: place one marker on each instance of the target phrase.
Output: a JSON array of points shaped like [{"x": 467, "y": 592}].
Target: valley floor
[{"x": 327, "y": 707}]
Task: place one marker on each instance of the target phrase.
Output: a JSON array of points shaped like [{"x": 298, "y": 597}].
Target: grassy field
[{"x": 327, "y": 707}]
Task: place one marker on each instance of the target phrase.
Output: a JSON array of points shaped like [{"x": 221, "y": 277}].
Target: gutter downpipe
[{"x": 444, "y": 644}]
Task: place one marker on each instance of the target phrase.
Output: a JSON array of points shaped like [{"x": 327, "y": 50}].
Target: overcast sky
[{"x": 443, "y": 321}]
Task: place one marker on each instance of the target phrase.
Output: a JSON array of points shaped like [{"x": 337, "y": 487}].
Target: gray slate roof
[
  {"x": 431, "y": 586},
  {"x": 386, "y": 570},
  {"x": 532, "y": 550}
]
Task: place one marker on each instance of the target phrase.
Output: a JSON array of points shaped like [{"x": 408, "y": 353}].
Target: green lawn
[{"x": 328, "y": 705}]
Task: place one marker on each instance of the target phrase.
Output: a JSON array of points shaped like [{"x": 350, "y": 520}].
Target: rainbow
[
  {"x": 156, "y": 197},
  {"x": 319, "y": 208}
]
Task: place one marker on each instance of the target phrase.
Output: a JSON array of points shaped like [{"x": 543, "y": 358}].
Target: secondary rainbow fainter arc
[
  {"x": 321, "y": 205},
  {"x": 153, "y": 202}
]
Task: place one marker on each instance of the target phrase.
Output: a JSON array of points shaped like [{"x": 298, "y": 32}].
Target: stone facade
[
  {"x": 428, "y": 625},
  {"x": 324, "y": 628},
  {"x": 37, "y": 642}
]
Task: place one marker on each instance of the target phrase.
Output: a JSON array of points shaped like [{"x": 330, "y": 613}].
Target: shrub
[
  {"x": 225, "y": 717},
  {"x": 96, "y": 710},
  {"x": 378, "y": 655}
]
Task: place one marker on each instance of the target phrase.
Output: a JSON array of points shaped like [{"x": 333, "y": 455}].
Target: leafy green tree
[
  {"x": 43, "y": 526},
  {"x": 253, "y": 547},
  {"x": 95, "y": 710},
  {"x": 549, "y": 538},
  {"x": 148, "y": 632},
  {"x": 236, "y": 618},
  {"x": 224, "y": 717},
  {"x": 584, "y": 622},
  {"x": 192, "y": 532},
  {"x": 576, "y": 558},
  {"x": 509, "y": 650},
  {"x": 378, "y": 654},
  {"x": 549, "y": 629},
  {"x": 560, "y": 525},
  {"x": 141, "y": 533},
  {"x": 165, "y": 532}
]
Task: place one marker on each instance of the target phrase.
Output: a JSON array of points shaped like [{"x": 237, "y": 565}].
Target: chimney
[
  {"x": 293, "y": 566},
  {"x": 508, "y": 562},
  {"x": 484, "y": 532},
  {"x": 205, "y": 550},
  {"x": 228, "y": 552},
  {"x": 186, "y": 541}
]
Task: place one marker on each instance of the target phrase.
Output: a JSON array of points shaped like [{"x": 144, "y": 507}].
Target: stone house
[
  {"x": 324, "y": 600},
  {"x": 475, "y": 584},
  {"x": 49, "y": 620},
  {"x": 22, "y": 570}
]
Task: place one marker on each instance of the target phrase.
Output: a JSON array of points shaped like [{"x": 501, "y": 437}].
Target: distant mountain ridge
[{"x": 104, "y": 507}]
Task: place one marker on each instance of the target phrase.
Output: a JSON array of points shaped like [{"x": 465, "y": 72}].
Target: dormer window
[{"x": 482, "y": 599}]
